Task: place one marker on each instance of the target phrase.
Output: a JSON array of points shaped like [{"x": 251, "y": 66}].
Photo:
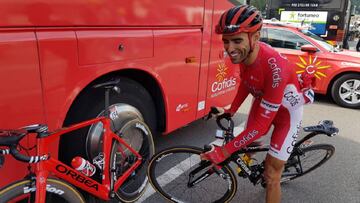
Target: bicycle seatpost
[
  {"x": 108, "y": 86},
  {"x": 107, "y": 102}
]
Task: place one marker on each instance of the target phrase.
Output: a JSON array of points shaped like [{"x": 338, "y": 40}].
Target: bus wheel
[
  {"x": 346, "y": 91},
  {"x": 133, "y": 101}
]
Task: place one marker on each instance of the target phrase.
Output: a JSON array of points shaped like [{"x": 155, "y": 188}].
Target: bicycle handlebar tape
[
  {"x": 29, "y": 159},
  {"x": 16, "y": 154},
  {"x": 4, "y": 151}
]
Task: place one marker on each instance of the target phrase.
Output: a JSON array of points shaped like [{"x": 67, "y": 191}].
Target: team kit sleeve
[
  {"x": 267, "y": 108},
  {"x": 241, "y": 95}
]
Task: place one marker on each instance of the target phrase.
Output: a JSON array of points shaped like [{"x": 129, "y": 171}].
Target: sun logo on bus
[
  {"x": 222, "y": 72},
  {"x": 312, "y": 67}
]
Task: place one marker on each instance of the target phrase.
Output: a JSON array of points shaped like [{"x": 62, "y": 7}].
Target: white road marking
[{"x": 174, "y": 172}]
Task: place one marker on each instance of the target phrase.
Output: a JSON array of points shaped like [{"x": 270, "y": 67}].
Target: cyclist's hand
[
  {"x": 215, "y": 112},
  {"x": 214, "y": 154},
  {"x": 307, "y": 80}
]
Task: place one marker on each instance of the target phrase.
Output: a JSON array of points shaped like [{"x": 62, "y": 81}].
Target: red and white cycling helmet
[{"x": 243, "y": 18}]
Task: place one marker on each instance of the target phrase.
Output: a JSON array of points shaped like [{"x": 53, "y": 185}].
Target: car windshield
[{"x": 319, "y": 40}]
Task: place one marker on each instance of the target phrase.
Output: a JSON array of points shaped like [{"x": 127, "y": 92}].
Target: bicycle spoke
[{"x": 309, "y": 159}]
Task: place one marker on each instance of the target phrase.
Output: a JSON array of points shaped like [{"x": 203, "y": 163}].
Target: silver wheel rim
[
  {"x": 349, "y": 91},
  {"x": 120, "y": 114}
]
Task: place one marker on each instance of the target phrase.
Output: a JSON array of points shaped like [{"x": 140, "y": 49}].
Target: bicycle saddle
[
  {"x": 108, "y": 85},
  {"x": 325, "y": 126}
]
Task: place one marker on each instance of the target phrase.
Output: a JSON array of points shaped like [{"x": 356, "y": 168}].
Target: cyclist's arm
[
  {"x": 241, "y": 95},
  {"x": 266, "y": 111}
]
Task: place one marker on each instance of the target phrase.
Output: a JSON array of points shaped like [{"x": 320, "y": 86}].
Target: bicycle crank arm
[{"x": 203, "y": 176}]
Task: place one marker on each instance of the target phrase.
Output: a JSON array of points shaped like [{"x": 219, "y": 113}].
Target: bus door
[
  {"x": 223, "y": 76},
  {"x": 20, "y": 90}
]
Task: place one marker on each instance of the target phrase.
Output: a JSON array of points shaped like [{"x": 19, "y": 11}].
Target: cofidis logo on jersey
[
  {"x": 312, "y": 66},
  {"x": 223, "y": 83}
]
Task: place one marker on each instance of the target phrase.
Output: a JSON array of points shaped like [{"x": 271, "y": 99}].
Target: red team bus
[{"x": 165, "y": 53}]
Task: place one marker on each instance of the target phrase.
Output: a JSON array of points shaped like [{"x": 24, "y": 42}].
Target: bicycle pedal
[{"x": 241, "y": 173}]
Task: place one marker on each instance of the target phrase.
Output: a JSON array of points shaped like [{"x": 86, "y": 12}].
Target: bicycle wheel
[
  {"x": 305, "y": 160},
  {"x": 169, "y": 173},
  {"x": 56, "y": 191},
  {"x": 138, "y": 136}
]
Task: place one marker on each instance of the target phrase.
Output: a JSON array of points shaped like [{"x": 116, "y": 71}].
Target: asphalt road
[{"x": 337, "y": 181}]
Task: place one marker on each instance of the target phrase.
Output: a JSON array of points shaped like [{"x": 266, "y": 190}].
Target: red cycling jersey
[{"x": 278, "y": 100}]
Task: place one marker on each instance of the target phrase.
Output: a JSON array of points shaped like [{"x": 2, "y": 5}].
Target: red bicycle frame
[{"x": 57, "y": 168}]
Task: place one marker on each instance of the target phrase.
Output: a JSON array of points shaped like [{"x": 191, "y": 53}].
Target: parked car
[{"x": 337, "y": 71}]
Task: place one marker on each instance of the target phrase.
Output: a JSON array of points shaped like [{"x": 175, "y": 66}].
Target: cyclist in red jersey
[{"x": 279, "y": 94}]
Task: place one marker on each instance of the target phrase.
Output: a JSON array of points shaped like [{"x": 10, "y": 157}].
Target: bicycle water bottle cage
[{"x": 325, "y": 126}]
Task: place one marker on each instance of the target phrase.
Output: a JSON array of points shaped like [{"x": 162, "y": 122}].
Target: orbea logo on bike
[
  {"x": 223, "y": 84},
  {"x": 77, "y": 177}
]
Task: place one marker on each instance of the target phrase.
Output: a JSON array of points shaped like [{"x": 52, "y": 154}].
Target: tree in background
[
  {"x": 259, "y": 4},
  {"x": 357, "y": 4}
]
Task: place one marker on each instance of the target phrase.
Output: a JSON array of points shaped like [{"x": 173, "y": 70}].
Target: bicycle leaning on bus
[
  {"x": 179, "y": 175},
  {"x": 119, "y": 170}
]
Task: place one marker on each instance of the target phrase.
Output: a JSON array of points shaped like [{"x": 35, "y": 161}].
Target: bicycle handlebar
[
  {"x": 12, "y": 138},
  {"x": 23, "y": 158},
  {"x": 16, "y": 154},
  {"x": 226, "y": 116}
]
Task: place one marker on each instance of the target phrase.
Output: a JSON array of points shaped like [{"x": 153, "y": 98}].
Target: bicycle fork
[{"x": 40, "y": 195}]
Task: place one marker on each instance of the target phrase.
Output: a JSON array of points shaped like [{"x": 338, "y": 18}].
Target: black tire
[
  {"x": 168, "y": 174},
  {"x": 90, "y": 104},
  {"x": 304, "y": 160},
  {"x": 345, "y": 91},
  {"x": 57, "y": 191},
  {"x": 133, "y": 132}
]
